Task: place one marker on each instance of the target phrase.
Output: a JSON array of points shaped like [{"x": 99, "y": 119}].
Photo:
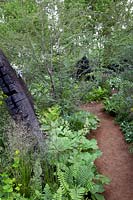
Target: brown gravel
[{"x": 116, "y": 162}]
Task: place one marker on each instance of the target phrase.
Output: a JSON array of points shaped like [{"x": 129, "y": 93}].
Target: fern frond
[
  {"x": 82, "y": 174},
  {"x": 77, "y": 193},
  {"x": 62, "y": 180},
  {"x": 58, "y": 195},
  {"x": 47, "y": 193}
]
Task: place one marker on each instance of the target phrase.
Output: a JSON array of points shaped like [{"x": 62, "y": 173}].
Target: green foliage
[
  {"x": 114, "y": 82},
  {"x": 69, "y": 93},
  {"x": 121, "y": 104},
  {"x": 77, "y": 120},
  {"x": 9, "y": 188},
  {"x": 127, "y": 128},
  {"x": 96, "y": 94},
  {"x": 47, "y": 47},
  {"x": 4, "y": 121},
  {"x": 40, "y": 91},
  {"x": 36, "y": 181},
  {"x": 73, "y": 156},
  {"x": 17, "y": 177},
  {"x": 50, "y": 37},
  {"x": 6, "y": 184},
  {"x": 67, "y": 165},
  {"x": 50, "y": 115},
  {"x": 22, "y": 174},
  {"x": 114, "y": 103},
  {"x": 81, "y": 119}
]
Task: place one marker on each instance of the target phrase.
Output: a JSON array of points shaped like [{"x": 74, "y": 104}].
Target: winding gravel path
[{"x": 116, "y": 162}]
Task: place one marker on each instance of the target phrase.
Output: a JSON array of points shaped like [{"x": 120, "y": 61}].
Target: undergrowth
[
  {"x": 64, "y": 171},
  {"x": 96, "y": 94},
  {"x": 120, "y": 105}
]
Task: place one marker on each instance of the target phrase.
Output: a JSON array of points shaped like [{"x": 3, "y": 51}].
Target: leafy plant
[
  {"x": 120, "y": 105},
  {"x": 67, "y": 165},
  {"x": 113, "y": 103},
  {"x": 73, "y": 157},
  {"x": 96, "y": 94},
  {"x": 17, "y": 177},
  {"x": 81, "y": 119},
  {"x": 49, "y": 115},
  {"x": 127, "y": 128},
  {"x": 8, "y": 184},
  {"x": 4, "y": 121},
  {"x": 115, "y": 82}
]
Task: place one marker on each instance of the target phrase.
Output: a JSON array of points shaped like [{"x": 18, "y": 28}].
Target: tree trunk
[{"x": 19, "y": 100}]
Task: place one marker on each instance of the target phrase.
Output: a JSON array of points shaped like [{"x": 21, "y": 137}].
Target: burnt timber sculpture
[{"x": 19, "y": 100}]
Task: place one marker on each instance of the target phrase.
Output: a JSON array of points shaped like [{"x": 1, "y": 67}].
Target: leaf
[
  {"x": 62, "y": 180},
  {"x": 58, "y": 194},
  {"x": 99, "y": 196},
  {"x": 103, "y": 179},
  {"x": 8, "y": 188},
  {"x": 48, "y": 192},
  {"x": 77, "y": 193}
]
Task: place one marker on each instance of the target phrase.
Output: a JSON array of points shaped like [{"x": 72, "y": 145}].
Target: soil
[{"x": 116, "y": 162}]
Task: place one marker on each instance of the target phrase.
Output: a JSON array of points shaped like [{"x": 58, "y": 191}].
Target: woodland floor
[{"x": 116, "y": 162}]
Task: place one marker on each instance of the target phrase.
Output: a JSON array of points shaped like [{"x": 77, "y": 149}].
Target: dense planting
[
  {"x": 64, "y": 170},
  {"x": 68, "y": 53},
  {"x": 120, "y": 105}
]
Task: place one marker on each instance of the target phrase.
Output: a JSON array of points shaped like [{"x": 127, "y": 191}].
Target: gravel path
[{"x": 116, "y": 162}]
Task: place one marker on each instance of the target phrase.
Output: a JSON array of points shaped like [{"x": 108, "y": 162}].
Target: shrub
[
  {"x": 114, "y": 82},
  {"x": 96, "y": 94},
  {"x": 65, "y": 170},
  {"x": 80, "y": 119},
  {"x": 73, "y": 156},
  {"x": 15, "y": 180},
  {"x": 127, "y": 128},
  {"x": 114, "y": 103},
  {"x": 121, "y": 105}
]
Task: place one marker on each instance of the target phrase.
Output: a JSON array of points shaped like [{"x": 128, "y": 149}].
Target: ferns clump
[
  {"x": 73, "y": 156},
  {"x": 66, "y": 169}
]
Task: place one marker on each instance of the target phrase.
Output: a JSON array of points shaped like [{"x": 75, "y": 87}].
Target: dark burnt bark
[{"x": 19, "y": 100}]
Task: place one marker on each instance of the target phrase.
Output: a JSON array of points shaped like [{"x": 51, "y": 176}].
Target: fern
[
  {"x": 72, "y": 157},
  {"x": 63, "y": 183},
  {"x": 58, "y": 195},
  {"x": 77, "y": 193},
  {"x": 47, "y": 193},
  {"x": 82, "y": 174}
]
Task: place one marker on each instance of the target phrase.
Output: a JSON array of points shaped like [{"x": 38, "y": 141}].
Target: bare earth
[{"x": 116, "y": 162}]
